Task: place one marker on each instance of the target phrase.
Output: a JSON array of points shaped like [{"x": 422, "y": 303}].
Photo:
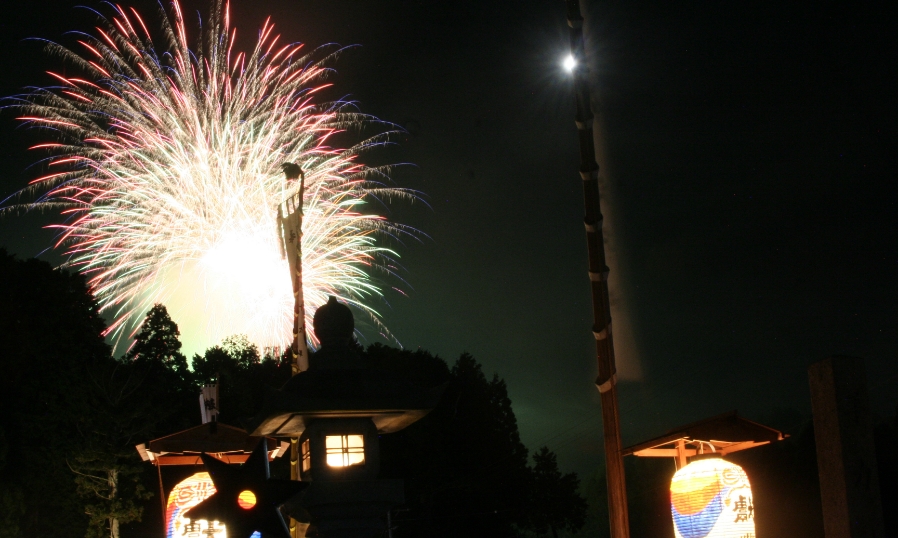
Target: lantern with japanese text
[
  {"x": 186, "y": 494},
  {"x": 711, "y": 498}
]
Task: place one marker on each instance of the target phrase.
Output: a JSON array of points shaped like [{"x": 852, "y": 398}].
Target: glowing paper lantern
[
  {"x": 188, "y": 493},
  {"x": 246, "y": 499},
  {"x": 711, "y": 498}
]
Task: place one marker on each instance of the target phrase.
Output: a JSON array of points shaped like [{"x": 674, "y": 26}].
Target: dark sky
[{"x": 749, "y": 151}]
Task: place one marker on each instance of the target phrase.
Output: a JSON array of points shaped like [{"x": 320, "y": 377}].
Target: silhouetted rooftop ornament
[
  {"x": 339, "y": 384},
  {"x": 246, "y": 499},
  {"x": 334, "y": 326},
  {"x": 333, "y": 323}
]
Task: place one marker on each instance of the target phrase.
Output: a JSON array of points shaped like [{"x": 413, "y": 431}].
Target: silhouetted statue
[{"x": 291, "y": 170}]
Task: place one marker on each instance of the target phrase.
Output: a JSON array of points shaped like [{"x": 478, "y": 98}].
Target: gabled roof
[
  {"x": 723, "y": 434},
  {"x": 227, "y": 443}
]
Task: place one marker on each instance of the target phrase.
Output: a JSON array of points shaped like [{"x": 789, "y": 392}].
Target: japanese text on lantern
[{"x": 186, "y": 494}]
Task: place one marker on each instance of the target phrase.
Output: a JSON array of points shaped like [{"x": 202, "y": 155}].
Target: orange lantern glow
[
  {"x": 711, "y": 498},
  {"x": 246, "y": 499},
  {"x": 188, "y": 493}
]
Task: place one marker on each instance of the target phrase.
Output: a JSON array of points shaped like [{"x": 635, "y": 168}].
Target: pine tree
[{"x": 158, "y": 342}]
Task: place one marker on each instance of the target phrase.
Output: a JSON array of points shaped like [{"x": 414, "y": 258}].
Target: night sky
[{"x": 749, "y": 155}]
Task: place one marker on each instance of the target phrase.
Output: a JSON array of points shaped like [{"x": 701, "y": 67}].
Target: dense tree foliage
[
  {"x": 556, "y": 504},
  {"x": 51, "y": 342},
  {"x": 243, "y": 376},
  {"x": 73, "y": 413},
  {"x": 465, "y": 467}
]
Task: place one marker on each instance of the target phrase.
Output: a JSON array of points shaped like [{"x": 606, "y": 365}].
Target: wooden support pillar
[
  {"x": 846, "y": 458},
  {"x": 681, "y": 454}
]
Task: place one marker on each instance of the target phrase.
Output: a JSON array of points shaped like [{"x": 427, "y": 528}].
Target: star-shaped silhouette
[{"x": 246, "y": 499}]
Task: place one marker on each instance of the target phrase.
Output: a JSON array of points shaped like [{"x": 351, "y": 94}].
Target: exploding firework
[{"x": 166, "y": 167}]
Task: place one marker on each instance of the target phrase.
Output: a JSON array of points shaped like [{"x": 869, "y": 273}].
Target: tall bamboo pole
[
  {"x": 299, "y": 348},
  {"x": 598, "y": 276}
]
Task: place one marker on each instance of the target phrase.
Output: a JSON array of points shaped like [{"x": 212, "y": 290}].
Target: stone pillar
[{"x": 846, "y": 459}]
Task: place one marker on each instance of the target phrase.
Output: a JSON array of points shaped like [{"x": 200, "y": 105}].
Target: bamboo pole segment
[
  {"x": 598, "y": 276},
  {"x": 290, "y": 223},
  {"x": 300, "y": 346}
]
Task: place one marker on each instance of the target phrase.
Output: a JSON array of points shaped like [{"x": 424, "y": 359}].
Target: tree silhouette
[
  {"x": 556, "y": 503},
  {"x": 158, "y": 342},
  {"x": 243, "y": 375},
  {"x": 51, "y": 339},
  {"x": 464, "y": 466}
]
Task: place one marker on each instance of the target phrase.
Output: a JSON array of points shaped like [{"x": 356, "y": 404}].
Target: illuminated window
[
  {"x": 306, "y": 456},
  {"x": 344, "y": 450}
]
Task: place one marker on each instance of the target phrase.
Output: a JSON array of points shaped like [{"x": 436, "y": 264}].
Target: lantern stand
[
  {"x": 710, "y": 497},
  {"x": 335, "y": 412}
]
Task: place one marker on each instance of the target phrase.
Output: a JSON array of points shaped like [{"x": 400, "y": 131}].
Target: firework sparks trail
[{"x": 166, "y": 166}]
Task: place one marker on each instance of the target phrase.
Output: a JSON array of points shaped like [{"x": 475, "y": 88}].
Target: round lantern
[
  {"x": 188, "y": 493},
  {"x": 711, "y": 498}
]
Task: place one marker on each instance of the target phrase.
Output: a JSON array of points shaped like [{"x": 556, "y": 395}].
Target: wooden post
[
  {"x": 598, "y": 276},
  {"x": 162, "y": 498},
  {"x": 846, "y": 457},
  {"x": 294, "y": 475},
  {"x": 681, "y": 454}
]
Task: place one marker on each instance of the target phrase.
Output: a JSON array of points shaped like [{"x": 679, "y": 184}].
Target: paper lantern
[
  {"x": 188, "y": 493},
  {"x": 711, "y": 498}
]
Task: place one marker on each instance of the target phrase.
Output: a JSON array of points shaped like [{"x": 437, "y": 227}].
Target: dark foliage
[
  {"x": 886, "y": 437},
  {"x": 243, "y": 376},
  {"x": 555, "y": 501},
  {"x": 464, "y": 465},
  {"x": 163, "y": 387},
  {"x": 50, "y": 334}
]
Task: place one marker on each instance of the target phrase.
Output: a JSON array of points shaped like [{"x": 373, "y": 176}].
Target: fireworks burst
[{"x": 166, "y": 166}]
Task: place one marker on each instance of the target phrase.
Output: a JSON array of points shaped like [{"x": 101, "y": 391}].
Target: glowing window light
[
  {"x": 344, "y": 450},
  {"x": 711, "y": 498},
  {"x": 185, "y": 495},
  {"x": 306, "y": 456}
]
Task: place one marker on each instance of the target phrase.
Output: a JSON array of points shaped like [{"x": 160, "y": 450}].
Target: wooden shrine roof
[
  {"x": 227, "y": 443},
  {"x": 723, "y": 434}
]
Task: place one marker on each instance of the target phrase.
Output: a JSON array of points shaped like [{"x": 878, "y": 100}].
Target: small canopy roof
[
  {"x": 390, "y": 402},
  {"x": 723, "y": 434},
  {"x": 227, "y": 443}
]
